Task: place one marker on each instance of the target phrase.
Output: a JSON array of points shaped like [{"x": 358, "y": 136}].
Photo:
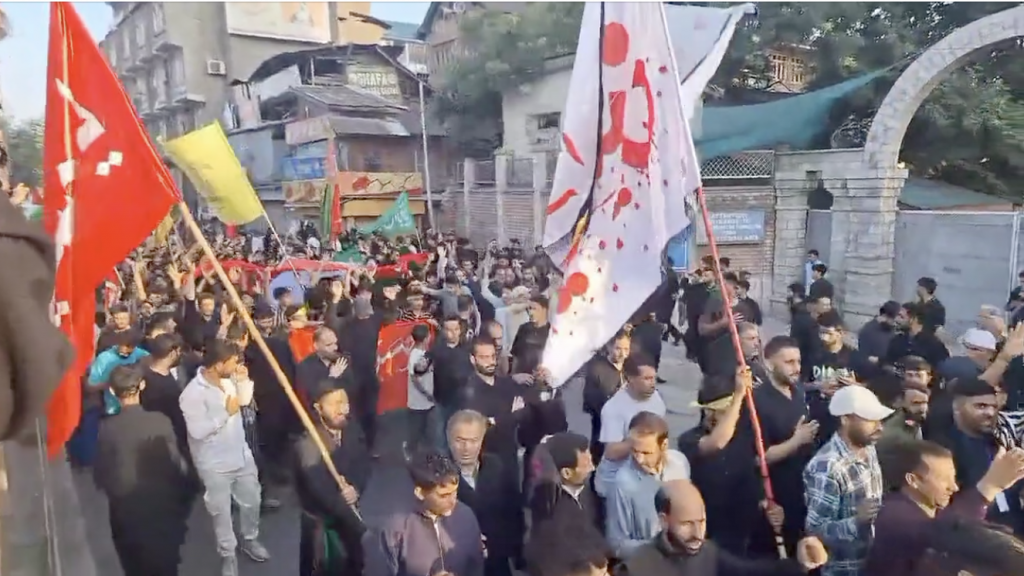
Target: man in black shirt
[
  {"x": 146, "y": 480},
  {"x": 452, "y": 367},
  {"x": 682, "y": 548},
  {"x": 974, "y": 436},
  {"x": 603, "y": 379},
  {"x": 874, "y": 337},
  {"x": 713, "y": 326},
  {"x": 164, "y": 383},
  {"x": 933, "y": 313},
  {"x": 721, "y": 461},
  {"x": 820, "y": 287},
  {"x": 500, "y": 399},
  {"x": 915, "y": 340},
  {"x": 326, "y": 362},
  {"x": 696, "y": 293},
  {"x": 528, "y": 346},
  {"x": 834, "y": 365},
  {"x": 804, "y": 329}
]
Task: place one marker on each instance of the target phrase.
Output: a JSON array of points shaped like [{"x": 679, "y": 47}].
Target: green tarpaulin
[{"x": 794, "y": 121}]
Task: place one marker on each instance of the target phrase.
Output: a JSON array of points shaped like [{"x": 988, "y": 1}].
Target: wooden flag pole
[{"x": 254, "y": 333}]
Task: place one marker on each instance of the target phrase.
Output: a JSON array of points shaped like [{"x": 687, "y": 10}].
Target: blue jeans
[{"x": 81, "y": 446}]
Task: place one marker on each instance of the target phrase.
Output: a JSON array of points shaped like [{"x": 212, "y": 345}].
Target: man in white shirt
[
  {"x": 216, "y": 437},
  {"x": 640, "y": 394},
  {"x": 421, "y": 427}
]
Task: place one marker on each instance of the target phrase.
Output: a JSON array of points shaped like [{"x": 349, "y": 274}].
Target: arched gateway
[
  {"x": 933, "y": 66},
  {"x": 866, "y": 183}
]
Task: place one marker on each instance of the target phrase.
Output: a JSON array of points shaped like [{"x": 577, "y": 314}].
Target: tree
[
  {"x": 963, "y": 133},
  {"x": 25, "y": 151},
  {"x": 502, "y": 51},
  {"x": 969, "y": 131}
]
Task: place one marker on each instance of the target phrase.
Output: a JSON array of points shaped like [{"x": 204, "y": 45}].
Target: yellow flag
[
  {"x": 163, "y": 231},
  {"x": 210, "y": 163}
]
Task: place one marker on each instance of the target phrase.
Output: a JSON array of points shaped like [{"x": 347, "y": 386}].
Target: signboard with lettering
[
  {"x": 746, "y": 227},
  {"x": 311, "y": 168},
  {"x": 379, "y": 80},
  {"x": 308, "y": 130}
]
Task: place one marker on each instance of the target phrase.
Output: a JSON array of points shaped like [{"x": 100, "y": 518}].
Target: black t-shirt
[
  {"x": 934, "y": 314},
  {"x": 827, "y": 365},
  {"x": 529, "y": 347},
  {"x": 720, "y": 354},
  {"x": 779, "y": 416},
  {"x": 727, "y": 479}
]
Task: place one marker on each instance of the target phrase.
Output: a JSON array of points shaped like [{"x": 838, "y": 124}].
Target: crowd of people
[{"x": 888, "y": 458}]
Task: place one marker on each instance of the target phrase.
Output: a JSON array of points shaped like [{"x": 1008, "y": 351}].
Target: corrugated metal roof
[
  {"x": 401, "y": 30},
  {"x": 935, "y": 195},
  {"x": 349, "y": 126},
  {"x": 347, "y": 97}
]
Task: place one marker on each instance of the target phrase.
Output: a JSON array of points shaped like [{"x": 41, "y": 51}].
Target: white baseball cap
[
  {"x": 979, "y": 339},
  {"x": 858, "y": 401}
]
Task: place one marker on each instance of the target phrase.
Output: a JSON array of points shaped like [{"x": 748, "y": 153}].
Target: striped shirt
[{"x": 837, "y": 481}]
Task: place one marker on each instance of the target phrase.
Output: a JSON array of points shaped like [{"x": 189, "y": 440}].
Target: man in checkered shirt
[{"x": 843, "y": 482}]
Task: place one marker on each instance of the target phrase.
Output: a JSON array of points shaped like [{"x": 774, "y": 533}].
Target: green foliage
[
  {"x": 964, "y": 132},
  {"x": 25, "y": 151},
  {"x": 503, "y": 50},
  {"x": 969, "y": 131}
]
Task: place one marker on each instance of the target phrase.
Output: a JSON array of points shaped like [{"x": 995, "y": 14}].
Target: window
[
  {"x": 126, "y": 43},
  {"x": 112, "y": 53},
  {"x": 372, "y": 162},
  {"x": 550, "y": 121},
  {"x": 140, "y": 33},
  {"x": 178, "y": 69},
  {"x": 158, "y": 17}
]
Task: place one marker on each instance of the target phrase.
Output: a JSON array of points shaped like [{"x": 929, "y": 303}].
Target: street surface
[{"x": 279, "y": 531}]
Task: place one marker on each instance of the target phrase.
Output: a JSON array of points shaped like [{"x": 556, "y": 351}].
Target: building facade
[{"x": 179, "y": 60}]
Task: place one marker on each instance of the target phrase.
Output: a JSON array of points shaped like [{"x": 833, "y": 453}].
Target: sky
[{"x": 23, "y": 53}]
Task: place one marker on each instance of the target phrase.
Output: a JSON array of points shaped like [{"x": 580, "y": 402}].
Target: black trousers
[
  {"x": 497, "y": 566},
  {"x": 147, "y": 546}
]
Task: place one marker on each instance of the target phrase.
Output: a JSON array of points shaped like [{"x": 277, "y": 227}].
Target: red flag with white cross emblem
[{"x": 106, "y": 190}]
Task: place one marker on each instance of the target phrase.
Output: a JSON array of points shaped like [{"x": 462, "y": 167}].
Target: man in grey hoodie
[
  {"x": 632, "y": 517},
  {"x": 437, "y": 535}
]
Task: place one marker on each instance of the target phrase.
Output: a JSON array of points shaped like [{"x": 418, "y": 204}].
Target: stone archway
[
  {"x": 882, "y": 148},
  {"x": 867, "y": 182}
]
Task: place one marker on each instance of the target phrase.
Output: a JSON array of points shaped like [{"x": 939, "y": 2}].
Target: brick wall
[{"x": 754, "y": 258}]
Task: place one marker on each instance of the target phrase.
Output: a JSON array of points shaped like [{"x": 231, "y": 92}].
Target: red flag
[
  {"x": 106, "y": 190},
  {"x": 393, "y": 346},
  {"x": 331, "y": 171}
]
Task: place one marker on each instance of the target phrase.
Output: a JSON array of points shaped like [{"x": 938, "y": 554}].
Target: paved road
[{"x": 279, "y": 530}]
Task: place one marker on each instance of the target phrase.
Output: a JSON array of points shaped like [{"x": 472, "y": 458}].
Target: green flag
[
  {"x": 326, "y": 211},
  {"x": 396, "y": 221},
  {"x": 350, "y": 256}
]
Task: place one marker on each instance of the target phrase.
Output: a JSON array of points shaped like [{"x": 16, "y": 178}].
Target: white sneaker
[
  {"x": 229, "y": 566},
  {"x": 255, "y": 551}
]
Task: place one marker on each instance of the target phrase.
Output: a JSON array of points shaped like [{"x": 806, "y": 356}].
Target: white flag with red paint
[{"x": 626, "y": 168}]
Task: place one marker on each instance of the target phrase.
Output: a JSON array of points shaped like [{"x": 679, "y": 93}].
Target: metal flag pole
[{"x": 426, "y": 159}]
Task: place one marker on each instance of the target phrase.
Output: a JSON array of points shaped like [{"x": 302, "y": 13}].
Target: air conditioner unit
[{"x": 216, "y": 68}]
